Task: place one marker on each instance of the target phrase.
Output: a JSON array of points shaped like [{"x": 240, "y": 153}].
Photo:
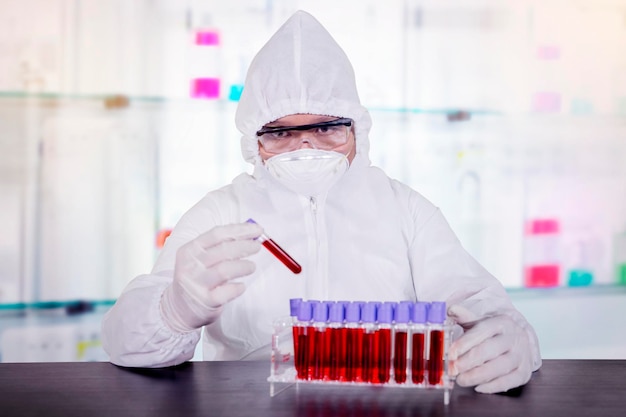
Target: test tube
[
  {"x": 383, "y": 335},
  {"x": 354, "y": 342},
  {"x": 294, "y": 307},
  {"x": 436, "y": 318},
  {"x": 278, "y": 252},
  {"x": 301, "y": 339},
  {"x": 321, "y": 343},
  {"x": 401, "y": 315},
  {"x": 370, "y": 342},
  {"x": 338, "y": 339},
  {"x": 418, "y": 342}
]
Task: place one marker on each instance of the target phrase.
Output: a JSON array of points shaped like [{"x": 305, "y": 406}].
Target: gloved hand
[
  {"x": 493, "y": 354},
  {"x": 203, "y": 272}
]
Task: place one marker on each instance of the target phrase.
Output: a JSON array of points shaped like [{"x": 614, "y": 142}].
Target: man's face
[{"x": 348, "y": 149}]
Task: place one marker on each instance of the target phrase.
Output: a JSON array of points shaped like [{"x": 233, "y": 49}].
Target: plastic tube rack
[{"x": 396, "y": 344}]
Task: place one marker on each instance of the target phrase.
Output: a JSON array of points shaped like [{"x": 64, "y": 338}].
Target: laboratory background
[{"x": 116, "y": 116}]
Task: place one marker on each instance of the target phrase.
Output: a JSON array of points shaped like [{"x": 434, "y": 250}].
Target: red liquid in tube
[
  {"x": 399, "y": 357},
  {"x": 327, "y": 355},
  {"x": 278, "y": 252},
  {"x": 418, "y": 364},
  {"x": 320, "y": 353},
  {"x": 371, "y": 356},
  {"x": 296, "y": 347},
  {"x": 282, "y": 256},
  {"x": 383, "y": 366},
  {"x": 311, "y": 353},
  {"x": 354, "y": 347},
  {"x": 435, "y": 361},
  {"x": 301, "y": 351},
  {"x": 338, "y": 354}
]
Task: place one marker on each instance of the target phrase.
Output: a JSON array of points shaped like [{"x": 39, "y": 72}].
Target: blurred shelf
[
  {"x": 72, "y": 306},
  {"x": 552, "y": 292}
]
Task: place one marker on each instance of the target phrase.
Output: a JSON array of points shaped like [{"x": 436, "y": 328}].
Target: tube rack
[{"x": 398, "y": 345}]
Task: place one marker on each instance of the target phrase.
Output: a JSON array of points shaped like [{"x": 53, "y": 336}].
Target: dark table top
[{"x": 559, "y": 388}]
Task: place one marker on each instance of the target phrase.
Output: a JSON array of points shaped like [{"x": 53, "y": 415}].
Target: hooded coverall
[{"x": 368, "y": 238}]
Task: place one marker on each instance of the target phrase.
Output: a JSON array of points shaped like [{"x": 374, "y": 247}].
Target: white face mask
[{"x": 308, "y": 171}]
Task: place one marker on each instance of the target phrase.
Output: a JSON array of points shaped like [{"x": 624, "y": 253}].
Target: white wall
[{"x": 574, "y": 323}]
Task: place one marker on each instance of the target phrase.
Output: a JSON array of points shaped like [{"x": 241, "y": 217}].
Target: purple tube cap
[
  {"x": 402, "y": 313},
  {"x": 385, "y": 312},
  {"x": 420, "y": 312},
  {"x": 368, "y": 313},
  {"x": 294, "y": 306},
  {"x": 320, "y": 312},
  {"x": 336, "y": 312},
  {"x": 437, "y": 312},
  {"x": 305, "y": 310},
  {"x": 353, "y": 312}
]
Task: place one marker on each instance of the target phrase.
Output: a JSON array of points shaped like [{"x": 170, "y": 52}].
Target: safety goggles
[{"x": 324, "y": 135}]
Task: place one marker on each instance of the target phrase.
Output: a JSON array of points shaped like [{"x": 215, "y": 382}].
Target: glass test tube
[
  {"x": 370, "y": 342},
  {"x": 418, "y": 342},
  {"x": 354, "y": 342},
  {"x": 311, "y": 359},
  {"x": 402, "y": 315},
  {"x": 278, "y": 252},
  {"x": 301, "y": 339},
  {"x": 384, "y": 318},
  {"x": 321, "y": 341},
  {"x": 338, "y": 342},
  {"x": 294, "y": 307},
  {"x": 436, "y": 318}
]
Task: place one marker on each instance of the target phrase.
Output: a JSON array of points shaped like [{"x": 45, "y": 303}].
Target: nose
[{"x": 306, "y": 141}]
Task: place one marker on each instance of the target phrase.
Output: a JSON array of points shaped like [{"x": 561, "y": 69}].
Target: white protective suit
[{"x": 368, "y": 238}]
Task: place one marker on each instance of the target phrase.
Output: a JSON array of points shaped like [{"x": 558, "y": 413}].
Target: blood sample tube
[
  {"x": 278, "y": 252},
  {"x": 354, "y": 342},
  {"x": 337, "y": 334},
  {"x": 294, "y": 306},
  {"x": 384, "y": 317},
  {"x": 301, "y": 339},
  {"x": 401, "y": 315},
  {"x": 370, "y": 342},
  {"x": 418, "y": 342},
  {"x": 436, "y": 340},
  {"x": 321, "y": 344}
]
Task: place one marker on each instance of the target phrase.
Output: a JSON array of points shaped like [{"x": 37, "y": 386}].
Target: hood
[{"x": 301, "y": 69}]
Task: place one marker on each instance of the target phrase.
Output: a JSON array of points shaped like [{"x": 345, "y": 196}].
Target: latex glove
[
  {"x": 493, "y": 354},
  {"x": 203, "y": 274}
]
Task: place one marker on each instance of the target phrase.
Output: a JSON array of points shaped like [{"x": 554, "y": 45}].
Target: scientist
[{"x": 357, "y": 234}]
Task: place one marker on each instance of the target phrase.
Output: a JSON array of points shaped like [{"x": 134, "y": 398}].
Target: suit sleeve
[{"x": 133, "y": 331}]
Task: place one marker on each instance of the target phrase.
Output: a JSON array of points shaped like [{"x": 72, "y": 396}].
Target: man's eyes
[{"x": 279, "y": 135}]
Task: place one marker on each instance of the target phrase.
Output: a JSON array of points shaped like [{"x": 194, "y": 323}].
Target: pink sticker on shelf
[
  {"x": 547, "y": 102},
  {"x": 542, "y": 276},
  {"x": 548, "y": 52},
  {"x": 207, "y": 38},
  {"x": 542, "y": 226},
  {"x": 208, "y": 88}
]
